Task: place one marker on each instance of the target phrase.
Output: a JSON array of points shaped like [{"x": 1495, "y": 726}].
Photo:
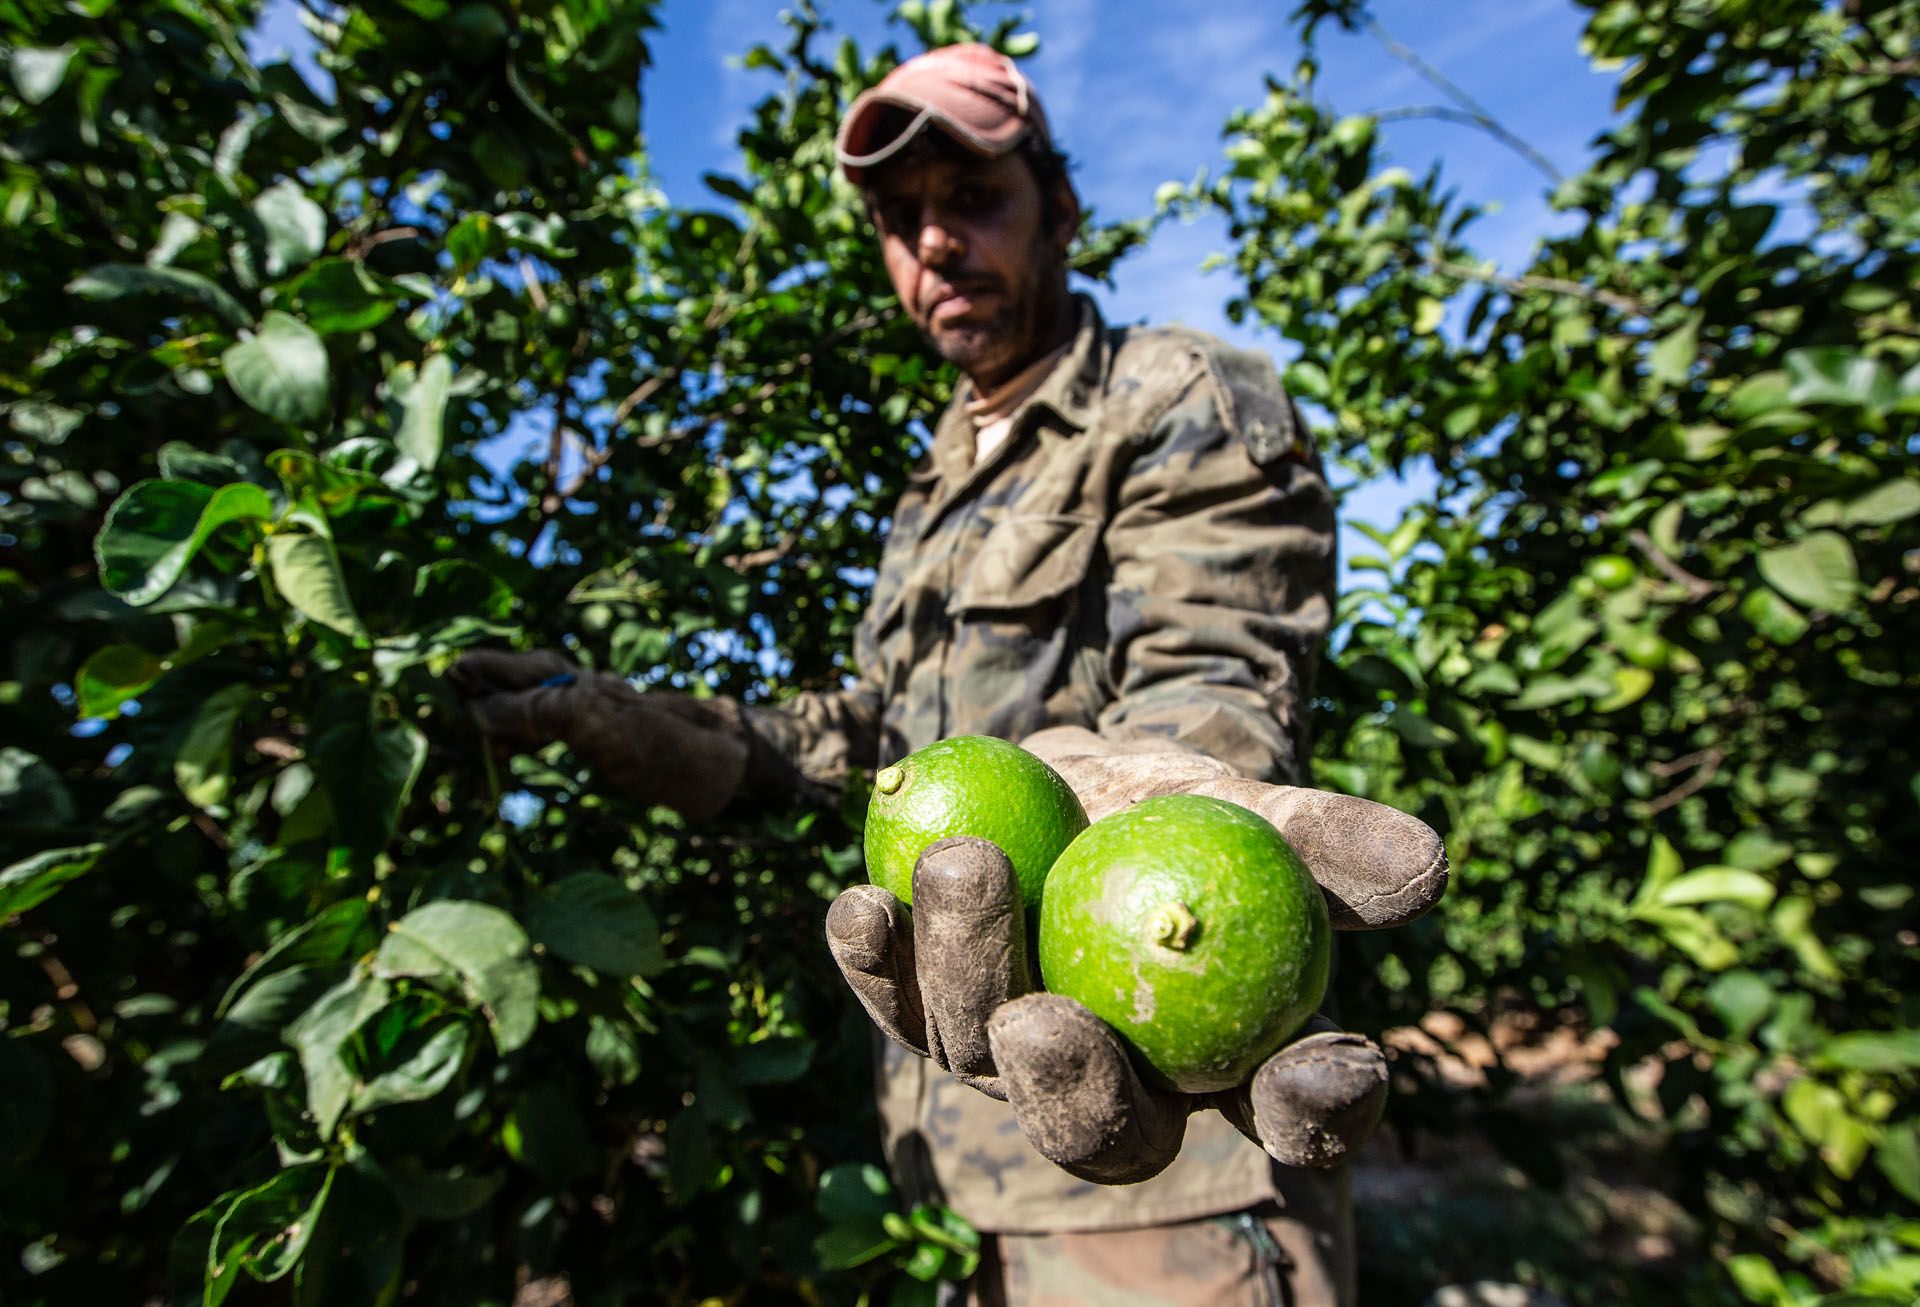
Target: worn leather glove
[
  {"x": 658, "y": 747},
  {"x": 951, "y": 978}
]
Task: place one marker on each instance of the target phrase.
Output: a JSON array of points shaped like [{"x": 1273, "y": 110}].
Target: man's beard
[{"x": 1018, "y": 331}]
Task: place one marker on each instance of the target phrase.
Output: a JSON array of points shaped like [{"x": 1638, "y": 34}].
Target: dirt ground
[{"x": 1554, "y": 1195}]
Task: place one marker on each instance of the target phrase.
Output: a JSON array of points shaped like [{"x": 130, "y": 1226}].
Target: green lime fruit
[
  {"x": 1643, "y": 648},
  {"x": 1612, "y": 571},
  {"x": 1190, "y": 926},
  {"x": 969, "y": 785}
]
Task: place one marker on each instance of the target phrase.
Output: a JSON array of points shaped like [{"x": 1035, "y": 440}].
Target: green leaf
[
  {"x": 480, "y": 947},
  {"x": 1663, "y": 865},
  {"x": 1742, "y": 1000},
  {"x": 281, "y": 370},
  {"x": 592, "y": 919},
  {"x": 200, "y": 766},
  {"x": 326, "y": 937},
  {"x": 341, "y": 296},
  {"x": 1792, "y": 922},
  {"x": 153, "y": 531},
  {"x": 1819, "y": 1112},
  {"x": 1834, "y": 374},
  {"x": 1816, "y": 571},
  {"x": 444, "y": 1195},
  {"x": 1717, "y": 885},
  {"x": 265, "y": 1231},
  {"x": 1630, "y": 686},
  {"x": 423, "y": 403},
  {"x": 307, "y": 573},
  {"x": 29, "y": 785},
  {"x": 296, "y": 227},
  {"x": 1773, "y": 617},
  {"x": 1694, "y": 934},
  {"x": 369, "y": 768},
  {"x": 318, "y": 1036},
  {"x": 1757, "y": 1279},
  {"x": 38, "y": 72},
  {"x": 112, "y": 281},
  {"x": 36, "y": 878},
  {"x": 1898, "y": 1158},
  {"x": 471, "y": 241},
  {"x": 424, "y": 1063},
  {"x": 1673, "y": 358},
  {"x": 1871, "y": 1050},
  {"x": 1889, "y": 502},
  {"x": 112, "y": 676}
]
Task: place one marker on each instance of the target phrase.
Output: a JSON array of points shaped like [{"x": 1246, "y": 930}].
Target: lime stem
[
  {"x": 889, "y": 780},
  {"x": 1173, "y": 927}
]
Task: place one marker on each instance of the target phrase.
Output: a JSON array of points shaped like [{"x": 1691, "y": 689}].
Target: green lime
[
  {"x": 969, "y": 785},
  {"x": 1612, "y": 571},
  {"x": 1643, "y": 647},
  {"x": 1190, "y": 926}
]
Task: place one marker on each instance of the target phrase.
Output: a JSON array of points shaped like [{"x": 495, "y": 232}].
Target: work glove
[
  {"x": 951, "y": 979},
  {"x": 659, "y": 747}
]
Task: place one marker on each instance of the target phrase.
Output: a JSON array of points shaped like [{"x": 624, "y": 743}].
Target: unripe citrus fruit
[
  {"x": 1612, "y": 571},
  {"x": 1190, "y": 926},
  {"x": 969, "y": 785}
]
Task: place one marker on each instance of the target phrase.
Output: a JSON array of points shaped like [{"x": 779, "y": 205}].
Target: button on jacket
[{"x": 1149, "y": 554}]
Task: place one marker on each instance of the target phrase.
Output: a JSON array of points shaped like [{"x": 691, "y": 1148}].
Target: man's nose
[{"x": 939, "y": 243}]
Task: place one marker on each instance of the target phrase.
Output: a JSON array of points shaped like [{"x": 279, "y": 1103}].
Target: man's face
[{"x": 966, "y": 249}]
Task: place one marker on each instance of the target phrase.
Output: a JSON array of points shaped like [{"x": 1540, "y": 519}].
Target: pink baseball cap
[{"x": 972, "y": 92}]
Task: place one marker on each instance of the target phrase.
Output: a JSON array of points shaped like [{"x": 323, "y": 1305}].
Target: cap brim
[{"x": 857, "y": 151}]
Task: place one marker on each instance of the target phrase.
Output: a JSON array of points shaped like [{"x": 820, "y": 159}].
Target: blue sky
[{"x": 1137, "y": 92}]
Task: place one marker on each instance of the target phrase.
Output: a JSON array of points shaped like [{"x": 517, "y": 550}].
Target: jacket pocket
[{"x": 1025, "y": 561}]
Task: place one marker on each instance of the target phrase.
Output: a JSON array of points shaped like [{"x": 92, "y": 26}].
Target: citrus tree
[
  {"x": 1649, "y": 657},
  {"x": 305, "y": 392}
]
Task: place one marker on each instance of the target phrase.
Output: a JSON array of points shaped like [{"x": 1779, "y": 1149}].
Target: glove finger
[
  {"x": 1108, "y": 775},
  {"x": 1377, "y": 866},
  {"x": 1316, "y": 1100},
  {"x": 870, "y": 935},
  {"x": 483, "y": 672},
  {"x": 971, "y": 941},
  {"x": 529, "y": 718},
  {"x": 1076, "y": 1095}
]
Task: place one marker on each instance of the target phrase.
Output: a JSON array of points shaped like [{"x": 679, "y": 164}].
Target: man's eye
[
  {"x": 895, "y": 217},
  {"x": 973, "y": 199}
]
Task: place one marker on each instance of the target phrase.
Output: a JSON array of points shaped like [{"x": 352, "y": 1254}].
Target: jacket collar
[{"x": 1070, "y": 392}]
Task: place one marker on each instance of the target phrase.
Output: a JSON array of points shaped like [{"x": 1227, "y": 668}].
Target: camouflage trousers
[{"x": 1261, "y": 1257}]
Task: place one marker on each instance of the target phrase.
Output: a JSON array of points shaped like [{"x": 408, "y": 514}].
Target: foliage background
[{"x": 306, "y": 995}]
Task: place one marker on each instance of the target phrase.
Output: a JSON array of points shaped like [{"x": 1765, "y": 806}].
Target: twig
[
  {"x": 1468, "y": 118},
  {"x": 1709, "y": 767},
  {"x": 357, "y": 248},
  {"x": 1553, "y": 285},
  {"x": 535, "y": 291},
  {"x": 1697, "y": 587},
  {"x": 1675, "y": 766},
  {"x": 1477, "y": 113}
]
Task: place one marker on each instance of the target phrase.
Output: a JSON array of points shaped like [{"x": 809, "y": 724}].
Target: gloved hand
[
  {"x": 659, "y": 747},
  {"x": 950, "y": 979}
]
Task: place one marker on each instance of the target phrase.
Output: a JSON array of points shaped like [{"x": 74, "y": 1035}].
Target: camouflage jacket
[{"x": 1150, "y": 552}]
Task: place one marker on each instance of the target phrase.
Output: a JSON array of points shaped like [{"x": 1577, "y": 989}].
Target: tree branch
[
  {"x": 1697, "y": 587},
  {"x": 1553, "y": 285},
  {"x": 1476, "y": 113},
  {"x": 1708, "y": 766}
]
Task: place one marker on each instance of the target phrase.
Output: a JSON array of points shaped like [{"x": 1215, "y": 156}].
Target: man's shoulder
[{"x": 1158, "y": 369}]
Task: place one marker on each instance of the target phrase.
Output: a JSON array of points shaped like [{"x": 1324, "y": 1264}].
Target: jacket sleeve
[
  {"x": 1221, "y": 547},
  {"x": 805, "y": 747}
]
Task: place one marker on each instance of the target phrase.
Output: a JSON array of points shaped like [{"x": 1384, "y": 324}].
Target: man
[{"x": 1118, "y": 550}]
